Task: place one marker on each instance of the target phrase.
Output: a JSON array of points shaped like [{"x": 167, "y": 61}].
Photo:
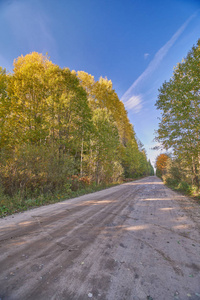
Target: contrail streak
[{"x": 129, "y": 96}]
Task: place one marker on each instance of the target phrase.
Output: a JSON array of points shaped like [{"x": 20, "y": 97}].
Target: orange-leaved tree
[{"x": 161, "y": 163}]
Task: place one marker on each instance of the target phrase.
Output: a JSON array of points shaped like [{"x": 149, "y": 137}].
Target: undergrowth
[
  {"x": 184, "y": 188},
  {"x": 17, "y": 203}
]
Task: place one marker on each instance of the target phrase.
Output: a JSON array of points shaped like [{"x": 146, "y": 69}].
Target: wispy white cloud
[
  {"x": 146, "y": 55},
  {"x": 130, "y": 95},
  {"x": 134, "y": 103}
]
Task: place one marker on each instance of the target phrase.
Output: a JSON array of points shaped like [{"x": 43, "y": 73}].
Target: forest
[
  {"x": 179, "y": 127},
  {"x": 61, "y": 132}
]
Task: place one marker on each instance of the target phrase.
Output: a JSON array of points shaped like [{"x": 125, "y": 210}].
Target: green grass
[
  {"x": 19, "y": 203},
  {"x": 15, "y": 204},
  {"x": 185, "y": 189}
]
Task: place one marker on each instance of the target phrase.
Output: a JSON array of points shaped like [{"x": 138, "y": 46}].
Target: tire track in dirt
[{"x": 57, "y": 247}]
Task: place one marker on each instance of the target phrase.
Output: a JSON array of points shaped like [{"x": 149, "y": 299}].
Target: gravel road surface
[{"x": 138, "y": 241}]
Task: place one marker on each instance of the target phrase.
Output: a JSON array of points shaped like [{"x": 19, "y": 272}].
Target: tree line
[
  {"x": 179, "y": 127},
  {"x": 61, "y": 129}
]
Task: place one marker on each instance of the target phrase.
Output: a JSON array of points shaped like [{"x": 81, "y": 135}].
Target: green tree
[
  {"x": 102, "y": 95},
  {"x": 103, "y": 162},
  {"x": 150, "y": 168},
  {"x": 43, "y": 107},
  {"x": 68, "y": 112},
  {"x": 179, "y": 102},
  {"x": 4, "y": 107},
  {"x": 131, "y": 159},
  {"x": 24, "y": 108},
  {"x": 55, "y": 124}
]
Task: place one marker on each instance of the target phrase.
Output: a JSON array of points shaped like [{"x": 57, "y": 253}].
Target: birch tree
[{"x": 179, "y": 102}]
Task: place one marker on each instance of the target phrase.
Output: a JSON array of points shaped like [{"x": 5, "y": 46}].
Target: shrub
[
  {"x": 170, "y": 181},
  {"x": 32, "y": 170},
  {"x": 184, "y": 187},
  {"x": 84, "y": 181}
]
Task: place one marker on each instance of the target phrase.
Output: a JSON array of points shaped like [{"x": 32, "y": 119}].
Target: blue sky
[{"x": 135, "y": 43}]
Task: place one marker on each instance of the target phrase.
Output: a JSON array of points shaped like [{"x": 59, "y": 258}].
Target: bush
[
  {"x": 128, "y": 179},
  {"x": 170, "y": 181},
  {"x": 184, "y": 187},
  {"x": 32, "y": 170},
  {"x": 76, "y": 182}
]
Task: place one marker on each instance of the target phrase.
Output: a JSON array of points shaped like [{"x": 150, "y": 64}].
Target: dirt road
[{"x": 135, "y": 241}]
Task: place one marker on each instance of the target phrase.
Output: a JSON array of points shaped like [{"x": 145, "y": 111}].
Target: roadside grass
[
  {"x": 17, "y": 203},
  {"x": 185, "y": 189}
]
